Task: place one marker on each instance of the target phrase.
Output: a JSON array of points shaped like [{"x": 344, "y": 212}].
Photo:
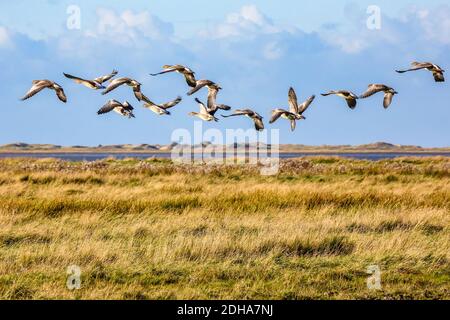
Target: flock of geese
[{"x": 207, "y": 112}]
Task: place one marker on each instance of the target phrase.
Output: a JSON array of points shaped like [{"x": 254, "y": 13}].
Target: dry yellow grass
[{"x": 151, "y": 229}]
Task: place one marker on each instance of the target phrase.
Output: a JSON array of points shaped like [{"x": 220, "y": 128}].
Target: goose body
[
  {"x": 39, "y": 85},
  {"x": 375, "y": 88},
  {"x": 204, "y": 113},
  {"x": 295, "y": 111},
  {"x": 349, "y": 97},
  {"x": 124, "y": 109},
  {"x": 257, "y": 119},
  {"x": 437, "y": 71},
  {"x": 161, "y": 109}
]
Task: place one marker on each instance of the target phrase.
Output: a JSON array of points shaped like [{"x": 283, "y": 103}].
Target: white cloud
[
  {"x": 129, "y": 27},
  {"x": 435, "y": 23},
  {"x": 248, "y": 21},
  {"x": 5, "y": 39}
]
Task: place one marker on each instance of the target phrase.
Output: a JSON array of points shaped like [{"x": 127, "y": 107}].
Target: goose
[
  {"x": 95, "y": 84},
  {"x": 161, "y": 108},
  {"x": 257, "y": 119},
  {"x": 212, "y": 96},
  {"x": 203, "y": 83},
  {"x": 438, "y": 72},
  {"x": 295, "y": 111},
  {"x": 129, "y": 82},
  {"x": 39, "y": 85},
  {"x": 124, "y": 109},
  {"x": 188, "y": 74},
  {"x": 204, "y": 114},
  {"x": 375, "y": 88},
  {"x": 350, "y": 97}
]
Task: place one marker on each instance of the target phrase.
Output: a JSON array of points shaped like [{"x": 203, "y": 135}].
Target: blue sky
[{"x": 255, "y": 50}]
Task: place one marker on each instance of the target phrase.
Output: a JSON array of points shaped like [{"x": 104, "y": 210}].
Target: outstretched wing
[
  {"x": 202, "y": 106},
  {"x": 275, "y": 115},
  {"x": 302, "y": 108},
  {"x": 61, "y": 95},
  {"x": 292, "y": 99},
  {"x": 200, "y": 84},
  {"x": 114, "y": 84},
  {"x": 171, "y": 104},
  {"x": 259, "y": 125},
  {"x": 38, "y": 85},
  {"x": 106, "y": 78},
  {"x": 372, "y": 89},
  {"x": 293, "y": 124},
  {"x": 387, "y": 99},
  {"x": 190, "y": 79},
  {"x": 328, "y": 93},
  {"x": 239, "y": 112},
  {"x": 416, "y": 66},
  {"x": 109, "y": 106},
  {"x": 351, "y": 102}
]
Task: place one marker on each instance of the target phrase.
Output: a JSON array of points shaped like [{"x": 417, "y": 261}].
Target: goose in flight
[
  {"x": 161, "y": 108},
  {"x": 212, "y": 96},
  {"x": 129, "y": 82},
  {"x": 295, "y": 111},
  {"x": 188, "y": 74},
  {"x": 350, "y": 97},
  {"x": 204, "y": 114},
  {"x": 39, "y": 85},
  {"x": 204, "y": 83},
  {"x": 257, "y": 119},
  {"x": 95, "y": 84},
  {"x": 438, "y": 72},
  {"x": 375, "y": 88},
  {"x": 124, "y": 109}
]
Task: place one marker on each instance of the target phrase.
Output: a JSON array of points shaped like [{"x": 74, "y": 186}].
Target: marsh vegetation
[{"x": 155, "y": 230}]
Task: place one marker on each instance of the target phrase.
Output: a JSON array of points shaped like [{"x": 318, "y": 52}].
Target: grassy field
[{"x": 155, "y": 230}]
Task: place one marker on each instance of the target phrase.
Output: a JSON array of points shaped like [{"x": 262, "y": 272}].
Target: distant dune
[{"x": 148, "y": 148}]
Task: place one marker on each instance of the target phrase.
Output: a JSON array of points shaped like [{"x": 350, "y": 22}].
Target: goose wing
[
  {"x": 115, "y": 83},
  {"x": 259, "y": 125},
  {"x": 190, "y": 79},
  {"x": 351, "y": 102},
  {"x": 372, "y": 89},
  {"x": 109, "y": 106},
  {"x": 38, "y": 85},
  {"x": 106, "y": 77},
  {"x": 140, "y": 96},
  {"x": 199, "y": 84},
  {"x": 387, "y": 99},
  {"x": 202, "y": 106},
  {"x": 239, "y": 112},
  {"x": 417, "y": 66},
  {"x": 60, "y": 94},
  {"x": 329, "y": 93},
  {"x": 171, "y": 104},
  {"x": 292, "y": 99},
  {"x": 212, "y": 95},
  {"x": 85, "y": 82},
  {"x": 276, "y": 114},
  {"x": 293, "y": 124},
  {"x": 306, "y": 104}
]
